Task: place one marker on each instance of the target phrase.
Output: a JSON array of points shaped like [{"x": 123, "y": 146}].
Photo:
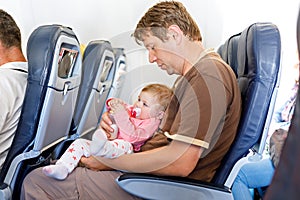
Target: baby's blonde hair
[{"x": 161, "y": 92}]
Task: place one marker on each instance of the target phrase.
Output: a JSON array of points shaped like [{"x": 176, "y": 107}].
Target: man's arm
[{"x": 176, "y": 159}]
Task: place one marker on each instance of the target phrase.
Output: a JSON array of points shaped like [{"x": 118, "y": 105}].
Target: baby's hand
[
  {"x": 116, "y": 105},
  {"x": 116, "y": 101}
]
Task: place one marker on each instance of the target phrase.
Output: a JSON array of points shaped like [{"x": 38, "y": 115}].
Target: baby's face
[{"x": 149, "y": 106}]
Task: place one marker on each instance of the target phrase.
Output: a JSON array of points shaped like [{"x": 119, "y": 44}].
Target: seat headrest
[
  {"x": 256, "y": 43},
  {"x": 228, "y": 51},
  {"x": 43, "y": 39}
]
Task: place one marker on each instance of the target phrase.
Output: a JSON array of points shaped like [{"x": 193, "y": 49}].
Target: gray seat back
[
  {"x": 98, "y": 74},
  {"x": 54, "y": 74}
]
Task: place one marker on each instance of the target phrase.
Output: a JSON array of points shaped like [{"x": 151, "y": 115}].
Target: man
[
  {"x": 13, "y": 80},
  {"x": 196, "y": 132}
]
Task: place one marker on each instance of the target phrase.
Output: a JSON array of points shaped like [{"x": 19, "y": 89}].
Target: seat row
[{"x": 64, "y": 99}]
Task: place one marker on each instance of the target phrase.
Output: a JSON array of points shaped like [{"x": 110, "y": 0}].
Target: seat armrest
[
  {"x": 166, "y": 187},
  {"x": 5, "y": 192}
]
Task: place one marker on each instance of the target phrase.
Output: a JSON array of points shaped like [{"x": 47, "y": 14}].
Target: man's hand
[
  {"x": 106, "y": 123},
  {"x": 93, "y": 164}
]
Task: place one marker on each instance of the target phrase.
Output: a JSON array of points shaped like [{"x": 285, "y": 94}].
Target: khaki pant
[{"x": 81, "y": 184}]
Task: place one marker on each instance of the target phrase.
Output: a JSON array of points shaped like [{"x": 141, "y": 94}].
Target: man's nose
[{"x": 152, "y": 57}]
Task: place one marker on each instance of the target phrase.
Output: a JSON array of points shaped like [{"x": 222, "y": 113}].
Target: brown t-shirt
[{"x": 204, "y": 111}]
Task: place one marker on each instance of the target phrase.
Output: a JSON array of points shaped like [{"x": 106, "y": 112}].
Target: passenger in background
[
  {"x": 259, "y": 174},
  {"x": 135, "y": 124},
  {"x": 13, "y": 81},
  {"x": 282, "y": 116},
  {"x": 199, "y": 126}
]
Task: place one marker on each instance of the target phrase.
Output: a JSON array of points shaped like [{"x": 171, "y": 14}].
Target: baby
[{"x": 134, "y": 124}]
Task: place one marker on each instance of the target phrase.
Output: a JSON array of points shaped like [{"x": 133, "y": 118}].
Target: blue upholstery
[
  {"x": 48, "y": 104},
  {"x": 255, "y": 53},
  {"x": 228, "y": 51},
  {"x": 258, "y": 54}
]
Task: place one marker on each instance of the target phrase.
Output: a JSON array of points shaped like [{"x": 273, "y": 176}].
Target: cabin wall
[{"x": 115, "y": 20}]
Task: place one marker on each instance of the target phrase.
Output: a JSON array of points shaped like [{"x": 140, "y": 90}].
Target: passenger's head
[
  {"x": 171, "y": 37},
  {"x": 10, "y": 40},
  {"x": 153, "y": 100},
  {"x": 10, "y": 35},
  {"x": 161, "y": 16}
]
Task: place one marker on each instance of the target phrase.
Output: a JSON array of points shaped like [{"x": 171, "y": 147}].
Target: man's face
[{"x": 164, "y": 54}]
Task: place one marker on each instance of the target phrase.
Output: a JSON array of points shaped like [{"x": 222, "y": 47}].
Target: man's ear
[{"x": 175, "y": 32}]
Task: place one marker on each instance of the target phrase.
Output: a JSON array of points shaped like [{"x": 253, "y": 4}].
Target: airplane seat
[
  {"x": 54, "y": 70},
  {"x": 97, "y": 79},
  {"x": 259, "y": 51},
  {"x": 228, "y": 51},
  {"x": 121, "y": 69},
  {"x": 98, "y": 72},
  {"x": 258, "y": 70}
]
